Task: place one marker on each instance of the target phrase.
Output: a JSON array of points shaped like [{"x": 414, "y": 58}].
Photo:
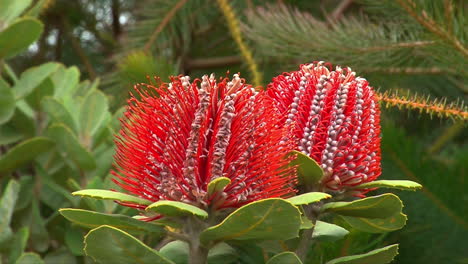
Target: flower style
[
  {"x": 172, "y": 145},
  {"x": 335, "y": 119}
]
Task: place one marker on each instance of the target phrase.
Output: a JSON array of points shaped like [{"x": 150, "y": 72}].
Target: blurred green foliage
[{"x": 57, "y": 119}]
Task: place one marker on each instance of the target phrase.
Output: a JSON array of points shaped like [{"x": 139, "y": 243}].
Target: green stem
[
  {"x": 198, "y": 253},
  {"x": 306, "y": 241}
]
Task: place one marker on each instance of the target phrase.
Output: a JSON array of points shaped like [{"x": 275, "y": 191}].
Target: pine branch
[
  {"x": 436, "y": 107},
  {"x": 167, "y": 18},
  {"x": 234, "y": 28},
  {"x": 430, "y": 24},
  {"x": 287, "y": 34}
]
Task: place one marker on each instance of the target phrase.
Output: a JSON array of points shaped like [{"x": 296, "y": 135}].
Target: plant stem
[
  {"x": 312, "y": 212},
  {"x": 198, "y": 253}
]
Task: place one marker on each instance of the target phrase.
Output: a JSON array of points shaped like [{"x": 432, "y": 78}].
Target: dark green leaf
[
  {"x": 378, "y": 256},
  {"x": 61, "y": 255},
  {"x": 29, "y": 258},
  {"x": 381, "y": 206},
  {"x": 107, "y": 244},
  {"x": 284, "y": 258},
  {"x": 90, "y": 219},
  {"x": 308, "y": 198},
  {"x": 18, "y": 36},
  {"x": 24, "y": 153},
  {"x": 218, "y": 185},
  {"x": 9, "y": 135},
  {"x": 74, "y": 239},
  {"x": 267, "y": 219},
  {"x": 69, "y": 146},
  {"x": 309, "y": 171},
  {"x": 39, "y": 235},
  {"x": 18, "y": 244},
  {"x": 174, "y": 208},
  {"x": 7, "y": 102},
  {"x": 32, "y": 78},
  {"x": 27, "y": 184},
  {"x": 377, "y": 225},
  {"x": 394, "y": 184},
  {"x": 324, "y": 231},
  {"x": 111, "y": 195}
]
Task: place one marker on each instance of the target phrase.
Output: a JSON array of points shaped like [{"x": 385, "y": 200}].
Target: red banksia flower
[
  {"x": 335, "y": 120},
  {"x": 172, "y": 145}
]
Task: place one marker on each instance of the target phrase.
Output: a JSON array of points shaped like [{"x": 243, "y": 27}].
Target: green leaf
[
  {"x": 91, "y": 219},
  {"x": 58, "y": 112},
  {"x": 22, "y": 123},
  {"x": 284, "y": 258},
  {"x": 107, "y": 244},
  {"x": 93, "y": 113},
  {"x": 18, "y": 36},
  {"x": 111, "y": 195},
  {"x": 381, "y": 206},
  {"x": 61, "y": 255},
  {"x": 11, "y": 9},
  {"x": 324, "y": 231},
  {"x": 267, "y": 219},
  {"x": 377, "y": 225},
  {"x": 33, "y": 77},
  {"x": 27, "y": 184},
  {"x": 309, "y": 171},
  {"x": 308, "y": 198},
  {"x": 65, "y": 81},
  {"x": 29, "y": 258},
  {"x": 174, "y": 208},
  {"x": 24, "y": 153},
  {"x": 70, "y": 147},
  {"x": 18, "y": 244},
  {"x": 378, "y": 256},
  {"x": 7, "y": 207},
  {"x": 74, "y": 240},
  {"x": 178, "y": 251},
  {"x": 9, "y": 135},
  {"x": 394, "y": 184},
  {"x": 7, "y": 102},
  {"x": 46, "y": 88},
  {"x": 218, "y": 185}
]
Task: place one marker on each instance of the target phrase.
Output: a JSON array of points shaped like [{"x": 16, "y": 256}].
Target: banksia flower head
[
  {"x": 172, "y": 145},
  {"x": 334, "y": 118}
]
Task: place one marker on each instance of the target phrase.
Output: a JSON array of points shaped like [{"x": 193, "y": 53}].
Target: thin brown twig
[
  {"x": 212, "y": 62},
  {"x": 340, "y": 9},
  {"x": 79, "y": 51},
  {"x": 163, "y": 24}
]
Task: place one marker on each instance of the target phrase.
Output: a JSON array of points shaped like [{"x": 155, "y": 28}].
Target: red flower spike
[
  {"x": 335, "y": 120},
  {"x": 170, "y": 147}
]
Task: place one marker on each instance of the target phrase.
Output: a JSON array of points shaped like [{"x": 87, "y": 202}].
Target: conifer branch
[
  {"x": 163, "y": 23},
  {"x": 234, "y": 28},
  {"x": 431, "y": 25},
  {"x": 408, "y": 70},
  {"x": 436, "y": 107}
]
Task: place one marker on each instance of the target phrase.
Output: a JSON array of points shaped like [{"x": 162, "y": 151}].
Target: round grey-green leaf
[{"x": 18, "y": 36}]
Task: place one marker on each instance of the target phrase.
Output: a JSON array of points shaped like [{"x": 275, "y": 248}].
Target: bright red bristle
[
  {"x": 335, "y": 119},
  {"x": 173, "y": 144}
]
